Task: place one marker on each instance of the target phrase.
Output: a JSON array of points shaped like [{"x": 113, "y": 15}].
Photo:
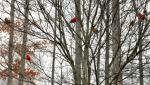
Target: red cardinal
[
  {"x": 28, "y": 57},
  {"x": 141, "y": 16},
  {"x": 73, "y": 20}
]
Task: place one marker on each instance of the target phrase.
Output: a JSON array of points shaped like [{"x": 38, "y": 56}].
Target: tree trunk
[
  {"x": 107, "y": 48},
  {"x": 54, "y": 49},
  {"x": 116, "y": 48},
  {"x": 11, "y": 44},
  {"x": 78, "y": 47},
  {"x": 140, "y": 56},
  {"x": 26, "y": 28},
  {"x": 98, "y": 66},
  {"x": 85, "y": 64},
  {"x": 140, "y": 46},
  {"x": 61, "y": 75}
]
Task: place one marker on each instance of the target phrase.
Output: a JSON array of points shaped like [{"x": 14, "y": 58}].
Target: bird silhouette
[{"x": 7, "y": 21}]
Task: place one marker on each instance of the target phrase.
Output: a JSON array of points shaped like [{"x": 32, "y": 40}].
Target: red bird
[
  {"x": 141, "y": 16},
  {"x": 73, "y": 20},
  {"x": 28, "y": 57}
]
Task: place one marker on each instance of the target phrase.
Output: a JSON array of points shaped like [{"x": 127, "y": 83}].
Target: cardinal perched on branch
[
  {"x": 7, "y": 21},
  {"x": 73, "y": 20},
  {"x": 28, "y": 57},
  {"x": 141, "y": 16}
]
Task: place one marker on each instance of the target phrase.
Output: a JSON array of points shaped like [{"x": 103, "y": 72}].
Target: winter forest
[{"x": 74, "y": 42}]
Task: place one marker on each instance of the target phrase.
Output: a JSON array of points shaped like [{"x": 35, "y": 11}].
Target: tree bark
[
  {"x": 78, "y": 47},
  {"x": 116, "y": 48},
  {"x": 54, "y": 49},
  {"x": 140, "y": 56},
  {"x": 107, "y": 47},
  {"x": 85, "y": 64},
  {"x": 11, "y": 43},
  {"x": 26, "y": 28},
  {"x": 140, "y": 45}
]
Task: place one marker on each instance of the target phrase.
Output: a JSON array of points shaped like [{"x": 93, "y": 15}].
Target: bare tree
[{"x": 91, "y": 36}]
